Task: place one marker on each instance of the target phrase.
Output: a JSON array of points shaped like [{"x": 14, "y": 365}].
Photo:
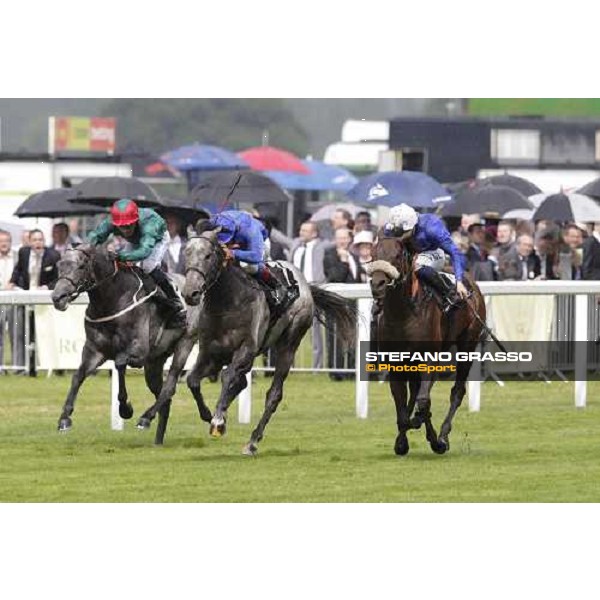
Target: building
[{"x": 550, "y": 152}]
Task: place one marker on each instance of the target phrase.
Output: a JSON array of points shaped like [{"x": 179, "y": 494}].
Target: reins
[
  {"x": 217, "y": 247},
  {"x": 80, "y": 289}
]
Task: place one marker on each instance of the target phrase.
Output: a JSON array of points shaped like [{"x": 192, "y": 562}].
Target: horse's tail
[{"x": 341, "y": 312}]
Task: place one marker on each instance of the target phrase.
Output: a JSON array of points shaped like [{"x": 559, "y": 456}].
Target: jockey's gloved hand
[{"x": 228, "y": 253}]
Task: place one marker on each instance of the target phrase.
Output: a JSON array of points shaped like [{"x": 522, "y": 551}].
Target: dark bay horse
[
  {"x": 411, "y": 319},
  {"x": 235, "y": 326},
  {"x": 121, "y": 324}
]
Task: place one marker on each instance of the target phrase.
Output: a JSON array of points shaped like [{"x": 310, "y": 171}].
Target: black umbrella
[
  {"x": 512, "y": 181},
  {"x": 490, "y": 199},
  {"x": 231, "y": 187},
  {"x": 591, "y": 189},
  {"x": 55, "y": 203},
  {"x": 184, "y": 208},
  {"x": 104, "y": 191},
  {"x": 567, "y": 208}
]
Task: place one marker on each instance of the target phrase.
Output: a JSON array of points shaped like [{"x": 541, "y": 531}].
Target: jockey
[
  {"x": 146, "y": 241},
  {"x": 246, "y": 240},
  {"x": 430, "y": 238}
]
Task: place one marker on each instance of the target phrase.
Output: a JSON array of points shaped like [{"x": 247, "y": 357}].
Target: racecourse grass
[{"x": 528, "y": 444}]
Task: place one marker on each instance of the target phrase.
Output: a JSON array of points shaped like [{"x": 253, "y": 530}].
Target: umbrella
[
  {"x": 198, "y": 157},
  {"x": 396, "y": 187},
  {"x": 493, "y": 199},
  {"x": 225, "y": 188},
  {"x": 326, "y": 212},
  {"x": 591, "y": 189},
  {"x": 184, "y": 208},
  {"x": 512, "y": 181},
  {"x": 523, "y": 214},
  {"x": 55, "y": 203},
  {"x": 568, "y": 208},
  {"x": 103, "y": 191},
  {"x": 267, "y": 158},
  {"x": 322, "y": 177}
]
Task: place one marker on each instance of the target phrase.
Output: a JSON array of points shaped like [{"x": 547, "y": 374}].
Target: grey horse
[
  {"x": 121, "y": 324},
  {"x": 235, "y": 325}
]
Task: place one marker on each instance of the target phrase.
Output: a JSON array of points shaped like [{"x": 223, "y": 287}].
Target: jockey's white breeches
[{"x": 436, "y": 259}]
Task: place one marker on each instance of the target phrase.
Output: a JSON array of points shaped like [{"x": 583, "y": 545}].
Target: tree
[{"x": 161, "y": 124}]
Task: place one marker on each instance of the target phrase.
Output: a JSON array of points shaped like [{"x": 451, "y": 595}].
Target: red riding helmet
[{"x": 124, "y": 212}]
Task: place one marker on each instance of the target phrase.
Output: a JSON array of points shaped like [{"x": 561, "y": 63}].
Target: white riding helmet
[{"x": 404, "y": 217}]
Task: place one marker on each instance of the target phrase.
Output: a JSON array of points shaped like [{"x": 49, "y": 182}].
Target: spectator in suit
[
  {"x": 570, "y": 256},
  {"x": 74, "y": 232},
  {"x": 36, "y": 265},
  {"x": 590, "y": 267},
  {"x": 505, "y": 239},
  {"x": 478, "y": 263},
  {"x": 307, "y": 255},
  {"x": 174, "y": 259},
  {"x": 35, "y": 270},
  {"x": 546, "y": 246},
  {"x": 340, "y": 266},
  {"x": 521, "y": 263},
  {"x": 8, "y": 314},
  {"x": 60, "y": 238}
]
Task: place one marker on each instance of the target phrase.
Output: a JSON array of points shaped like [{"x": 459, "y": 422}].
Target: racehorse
[
  {"x": 120, "y": 325},
  {"x": 410, "y": 316},
  {"x": 235, "y": 325}
]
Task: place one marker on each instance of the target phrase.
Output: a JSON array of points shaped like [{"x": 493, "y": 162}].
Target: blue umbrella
[
  {"x": 396, "y": 187},
  {"x": 199, "y": 157},
  {"x": 322, "y": 177}
]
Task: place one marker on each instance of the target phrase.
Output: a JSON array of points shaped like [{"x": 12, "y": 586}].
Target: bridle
[
  {"x": 86, "y": 285},
  {"x": 218, "y": 250}
]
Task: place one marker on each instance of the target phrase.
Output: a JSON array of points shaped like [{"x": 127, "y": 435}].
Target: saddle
[{"x": 291, "y": 289}]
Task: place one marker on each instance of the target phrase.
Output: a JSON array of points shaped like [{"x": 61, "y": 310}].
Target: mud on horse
[{"x": 410, "y": 316}]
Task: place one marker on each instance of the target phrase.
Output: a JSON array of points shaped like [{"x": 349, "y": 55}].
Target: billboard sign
[{"x": 82, "y": 134}]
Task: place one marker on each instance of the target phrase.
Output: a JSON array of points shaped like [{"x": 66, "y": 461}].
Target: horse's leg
[
  {"x": 168, "y": 388},
  {"x": 398, "y": 389},
  {"x": 125, "y": 408},
  {"x": 423, "y": 414},
  {"x": 413, "y": 385},
  {"x": 233, "y": 381},
  {"x": 153, "y": 373},
  {"x": 285, "y": 358},
  {"x": 193, "y": 382},
  {"x": 457, "y": 393},
  {"x": 90, "y": 361}
]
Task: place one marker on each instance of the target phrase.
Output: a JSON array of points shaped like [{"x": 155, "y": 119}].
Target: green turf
[{"x": 527, "y": 444}]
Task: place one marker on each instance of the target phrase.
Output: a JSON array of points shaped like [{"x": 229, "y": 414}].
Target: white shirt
[
  {"x": 35, "y": 269},
  {"x": 7, "y": 264},
  {"x": 175, "y": 248},
  {"x": 308, "y": 264}
]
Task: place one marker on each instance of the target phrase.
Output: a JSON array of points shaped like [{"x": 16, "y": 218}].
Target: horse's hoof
[
  {"x": 217, "y": 428},
  {"x": 441, "y": 446},
  {"x": 250, "y": 449},
  {"x": 401, "y": 446},
  {"x": 125, "y": 411},
  {"x": 65, "y": 425},
  {"x": 143, "y": 423}
]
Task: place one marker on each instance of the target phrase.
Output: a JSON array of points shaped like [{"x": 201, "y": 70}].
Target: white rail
[{"x": 362, "y": 294}]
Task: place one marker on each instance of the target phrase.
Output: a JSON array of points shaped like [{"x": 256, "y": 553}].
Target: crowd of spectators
[{"x": 332, "y": 251}]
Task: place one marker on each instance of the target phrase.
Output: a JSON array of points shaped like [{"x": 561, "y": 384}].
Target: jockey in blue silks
[
  {"x": 246, "y": 240},
  {"x": 429, "y": 237}
]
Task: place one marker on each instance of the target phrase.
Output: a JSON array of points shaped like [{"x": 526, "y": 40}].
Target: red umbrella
[{"x": 267, "y": 158}]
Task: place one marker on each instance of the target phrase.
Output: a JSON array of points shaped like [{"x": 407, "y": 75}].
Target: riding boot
[
  {"x": 277, "y": 291},
  {"x": 177, "y": 309},
  {"x": 444, "y": 290}
]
